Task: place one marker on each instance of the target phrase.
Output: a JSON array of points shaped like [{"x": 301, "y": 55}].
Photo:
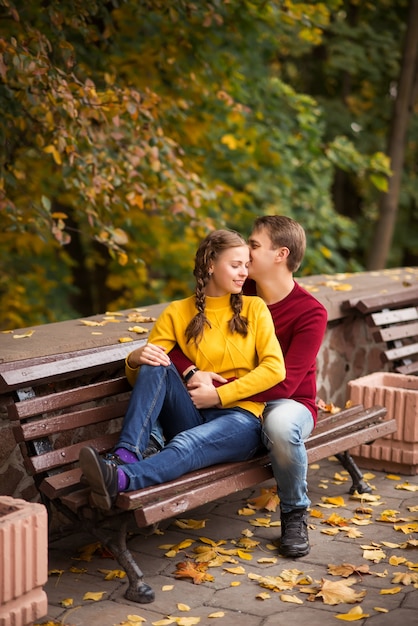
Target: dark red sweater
[{"x": 300, "y": 322}]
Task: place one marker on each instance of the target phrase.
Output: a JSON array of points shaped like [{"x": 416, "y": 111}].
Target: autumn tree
[{"x": 129, "y": 129}]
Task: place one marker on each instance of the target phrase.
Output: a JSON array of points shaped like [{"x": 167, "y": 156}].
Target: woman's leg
[
  {"x": 226, "y": 435},
  {"x": 159, "y": 393}
]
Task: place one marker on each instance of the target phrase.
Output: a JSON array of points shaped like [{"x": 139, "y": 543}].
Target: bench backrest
[
  {"x": 394, "y": 320},
  {"x": 66, "y": 404}
]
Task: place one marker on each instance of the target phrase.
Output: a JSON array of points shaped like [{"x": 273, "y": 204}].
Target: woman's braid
[{"x": 210, "y": 248}]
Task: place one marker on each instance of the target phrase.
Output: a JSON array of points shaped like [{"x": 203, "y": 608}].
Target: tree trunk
[{"x": 388, "y": 205}]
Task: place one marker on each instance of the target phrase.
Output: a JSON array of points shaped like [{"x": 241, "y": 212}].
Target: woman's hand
[
  {"x": 204, "y": 396},
  {"x": 206, "y": 377},
  {"x": 149, "y": 354}
]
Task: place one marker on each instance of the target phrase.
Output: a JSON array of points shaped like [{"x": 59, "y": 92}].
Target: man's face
[{"x": 262, "y": 254}]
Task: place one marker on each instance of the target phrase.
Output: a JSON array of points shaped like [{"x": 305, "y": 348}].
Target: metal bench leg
[
  {"x": 138, "y": 590},
  {"x": 359, "y": 484}
]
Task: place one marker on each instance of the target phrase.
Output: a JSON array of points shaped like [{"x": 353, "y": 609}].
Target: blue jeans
[
  {"x": 286, "y": 426},
  {"x": 195, "y": 439}
]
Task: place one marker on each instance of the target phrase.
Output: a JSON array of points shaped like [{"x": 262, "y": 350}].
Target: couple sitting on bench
[{"x": 234, "y": 393}]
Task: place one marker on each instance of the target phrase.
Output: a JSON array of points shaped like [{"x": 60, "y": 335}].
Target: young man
[{"x": 277, "y": 247}]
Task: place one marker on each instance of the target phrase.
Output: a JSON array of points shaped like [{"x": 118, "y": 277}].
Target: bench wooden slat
[
  {"x": 70, "y": 397},
  {"x": 408, "y": 369},
  {"x": 394, "y": 333},
  {"x": 395, "y": 354},
  {"x": 68, "y": 454},
  {"x": 369, "y": 304},
  {"x": 394, "y": 317},
  {"x": 27, "y": 373},
  {"x": 69, "y": 421}
]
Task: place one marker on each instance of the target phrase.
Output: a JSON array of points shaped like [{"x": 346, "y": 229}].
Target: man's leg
[{"x": 287, "y": 424}]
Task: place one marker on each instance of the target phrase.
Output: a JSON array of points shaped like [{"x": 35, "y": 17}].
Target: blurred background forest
[{"x": 129, "y": 128}]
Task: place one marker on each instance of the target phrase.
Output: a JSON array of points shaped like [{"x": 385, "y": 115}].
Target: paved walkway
[{"x": 390, "y": 586}]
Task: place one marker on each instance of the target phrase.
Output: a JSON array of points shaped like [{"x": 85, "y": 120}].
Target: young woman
[{"x": 219, "y": 330}]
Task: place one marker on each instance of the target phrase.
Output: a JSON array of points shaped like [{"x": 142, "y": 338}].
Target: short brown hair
[{"x": 284, "y": 232}]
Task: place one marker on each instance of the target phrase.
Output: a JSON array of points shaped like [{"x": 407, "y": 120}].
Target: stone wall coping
[{"x": 73, "y": 335}]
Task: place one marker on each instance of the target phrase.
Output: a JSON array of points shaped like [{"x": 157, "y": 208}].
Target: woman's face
[{"x": 229, "y": 272}]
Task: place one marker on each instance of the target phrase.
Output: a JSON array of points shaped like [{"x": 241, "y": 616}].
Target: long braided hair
[{"x": 209, "y": 250}]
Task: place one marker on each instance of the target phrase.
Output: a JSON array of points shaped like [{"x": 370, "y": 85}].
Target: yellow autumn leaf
[
  {"x": 167, "y": 587},
  {"x": 335, "y": 501},
  {"x": 91, "y": 323},
  {"x": 138, "y": 330},
  {"x": 374, "y": 555},
  {"x": 263, "y": 596},
  {"x": 246, "y": 511},
  {"x": 339, "y": 592},
  {"x": 407, "y": 487},
  {"x": 235, "y": 570},
  {"x": 266, "y": 559},
  {"x": 183, "y": 607},
  {"x": 111, "y": 574},
  {"x": 191, "y": 523},
  {"x": 396, "y": 560},
  {"x": 53, "y": 572},
  {"x": 244, "y": 555},
  {"x": 353, "y": 614},
  {"x": 235, "y": 583},
  {"x": 343, "y": 287},
  {"x": 77, "y": 570},
  {"x": 94, "y": 595},
  {"x": 187, "y": 621},
  {"x": 24, "y": 335},
  {"x": 55, "y": 154},
  {"x": 390, "y": 592},
  {"x": 287, "y": 598},
  {"x": 136, "y": 618},
  {"x": 217, "y": 614},
  {"x": 67, "y": 602},
  {"x": 165, "y": 621},
  {"x": 125, "y": 339},
  {"x": 392, "y": 477},
  {"x": 379, "y": 609}
]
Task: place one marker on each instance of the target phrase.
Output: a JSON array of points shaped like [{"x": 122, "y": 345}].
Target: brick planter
[
  {"x": 399, "y": 394},
  {"x": 23, "y": 561}
]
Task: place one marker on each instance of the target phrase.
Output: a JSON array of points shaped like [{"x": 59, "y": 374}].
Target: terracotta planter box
[
  {"x": 399, "y": 394},
  {"x": 23, "y": 561}
]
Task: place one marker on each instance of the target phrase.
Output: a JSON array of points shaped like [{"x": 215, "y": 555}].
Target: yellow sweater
[{"x": 256, "y": 361}]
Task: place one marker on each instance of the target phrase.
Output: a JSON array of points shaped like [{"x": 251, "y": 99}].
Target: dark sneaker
[
  {"x": 102, "y": 477},
  {"x": 152, "y": 448},
  {"x": 294, "y": 541}
]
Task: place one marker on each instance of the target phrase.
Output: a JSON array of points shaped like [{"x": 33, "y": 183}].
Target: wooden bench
[
  {"x": 57, "y": 405},
  {"x": 393, "y": 318}
]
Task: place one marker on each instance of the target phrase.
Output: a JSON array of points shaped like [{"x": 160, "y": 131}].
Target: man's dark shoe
[
  {"x": 294, "y": 541},
  {"x": 102, "y": 477},
  {"x": 152, "y": 448}
]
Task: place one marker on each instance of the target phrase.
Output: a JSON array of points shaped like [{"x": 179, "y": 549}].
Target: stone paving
[{"x": 390, "y": 587}]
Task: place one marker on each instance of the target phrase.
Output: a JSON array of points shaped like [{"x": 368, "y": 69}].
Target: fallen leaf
[
  {"x": 24, "y": 335},
  {"x": 67, "y": 602},
  {"x": 235, "y": 570},
  {"x": 390, "y": 592},
  {"x": 268, "y": 500},
  {"x": 95, "y": 596},
  {"x": 263, "y": 596},
  {"x": 138, "y": 329},
  {"x": 286, "y": 598},
  {"x": 195, "y": 571},
  {"x": 407, "y": 487},
  {"x": 190, "y": 523},
  {"x": 125, "y": 340},
  {"x": 339, "y": 592},
  {"x": 183, "y": 607},
  {"x": 111, "y": 574},
  {"x": 353, "y": 614},
  {"x": 217, "y": 614},
  {"x": 346, "y": 569}
]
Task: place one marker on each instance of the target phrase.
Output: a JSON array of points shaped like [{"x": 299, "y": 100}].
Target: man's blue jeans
[
  {"x": 286, "y": 426},
  {"x": 195, "y": 439}
]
